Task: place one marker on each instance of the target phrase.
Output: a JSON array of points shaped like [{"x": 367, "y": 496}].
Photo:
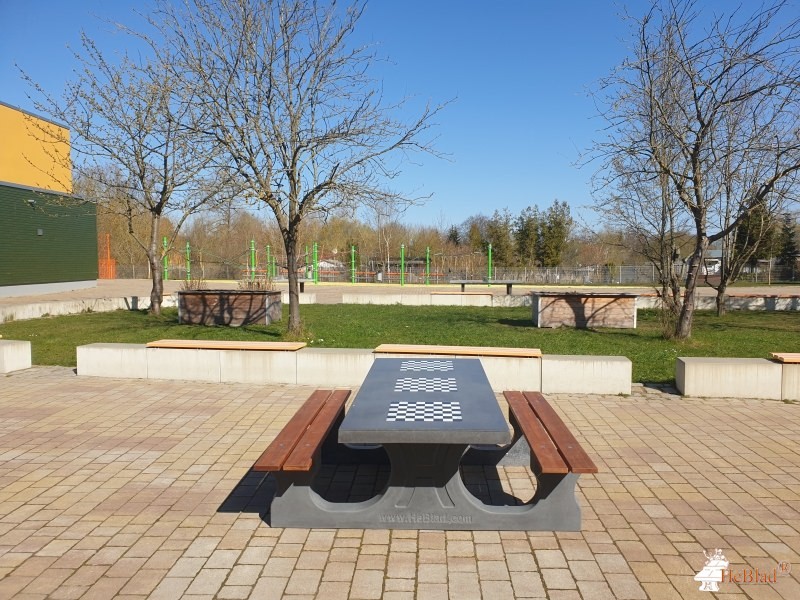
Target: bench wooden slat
[
  {"x": 458, "y": 350},
  {"x": 543, "y": 451},
  {"x": 302, "y": 456},
  {"x": 786, "y": 357},
  {"x": 226, "y": 345},
  {"x": 274, "y": 457},
  {"x": 574, "y": 455}
]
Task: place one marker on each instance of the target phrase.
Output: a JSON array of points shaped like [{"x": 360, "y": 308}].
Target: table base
[{"x": 425, "y": 491}]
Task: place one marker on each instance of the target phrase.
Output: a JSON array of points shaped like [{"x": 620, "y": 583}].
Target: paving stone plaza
[{"x": 114, "y": 488}]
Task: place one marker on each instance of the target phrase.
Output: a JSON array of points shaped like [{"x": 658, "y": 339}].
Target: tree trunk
[
  {"x": 683, "y": 328},
  {"x": 290, "y": 243},
  {"x": 157, "y": 291},
  {"x": 722, "y": 299}
]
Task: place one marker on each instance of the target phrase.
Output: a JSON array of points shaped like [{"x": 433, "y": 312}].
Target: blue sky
[{"x": 518, "y": 72}]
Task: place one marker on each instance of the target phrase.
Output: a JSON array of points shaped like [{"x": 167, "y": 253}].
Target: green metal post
[
  {"x": 490, "y": 265},
  {"x": 188, "y": 262},
  {"x": 269, "y": 263},
  {"x": 166, "y": 270},
  {"x": 316, "y": 264},
  {"x": 352, "y": 264},
  {"x": 402, "y": 264},
  {"x": 427, "y": 265},
  {"x": 252, "y": 260}
]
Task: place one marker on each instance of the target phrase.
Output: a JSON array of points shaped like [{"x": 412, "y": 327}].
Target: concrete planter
[{"x": 229, "y": 307}]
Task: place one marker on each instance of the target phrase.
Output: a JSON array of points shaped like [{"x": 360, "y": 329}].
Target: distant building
[{"x": 48, "y": 236}]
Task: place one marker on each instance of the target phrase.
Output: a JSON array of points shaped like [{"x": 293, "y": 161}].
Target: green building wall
[{"x": 45, "y": 237}]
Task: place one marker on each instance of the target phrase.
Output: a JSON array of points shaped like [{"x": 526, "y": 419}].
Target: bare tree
[
  {"x": 290, "y": 101},
  {"x": 668, "y": 113},
  {"x": 129, "y": 120}
]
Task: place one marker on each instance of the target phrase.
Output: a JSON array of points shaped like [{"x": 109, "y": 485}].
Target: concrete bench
[
  {"x": 505, "y": 367},
  {"x": 297, "y": 446},
  {"x": 715, "y": 377},
  {"x": 556, "y": 457},
  {"x": 15, "y": 355},
  {"x": 586, "y": 374},
  {"x": 790, "y": 374}
]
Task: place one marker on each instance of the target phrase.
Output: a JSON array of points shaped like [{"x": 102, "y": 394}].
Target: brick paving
[{"x": 140, "y": 489}]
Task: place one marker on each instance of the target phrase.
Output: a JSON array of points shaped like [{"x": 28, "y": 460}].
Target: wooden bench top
[
  {"x": 488, "y": 281},
  {"x": 787, "y": 357},
  {"x": 458, "y": 350},
  {"x": 451, "y": 293},
  {"x": 226, "y": 345},
  {"x": 294, "y": 447},
  {"x": 553, "y": 446}
]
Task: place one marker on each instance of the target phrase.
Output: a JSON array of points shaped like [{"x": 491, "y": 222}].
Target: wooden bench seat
[
  {"x": 509, "y": 283},
  {"x": 458, "y": 350},
  {"x": 786, "y": 357},
  {"x": 227, "y": 345},
  {"x": 462, "y": 294},
  {"x": 295, "y": 447},
  {"x": 554, "y": 450}
]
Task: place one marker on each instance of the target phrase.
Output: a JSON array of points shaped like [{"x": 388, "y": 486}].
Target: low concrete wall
[
  {"x": 440, "y": 299},
  {"x": 15, "y": 355},
  {"x": 576, "y": 374},
  {"x": 767, "y": 303},
  {"x": 343, "y": 367},
  {"x": 74, "y": 307},
  {"x": 729, "y": 377}
]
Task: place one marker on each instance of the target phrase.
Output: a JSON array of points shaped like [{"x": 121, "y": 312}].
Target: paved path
[
  {"x": 331, "y": 293},
  {"x": 140, "y": 489}
]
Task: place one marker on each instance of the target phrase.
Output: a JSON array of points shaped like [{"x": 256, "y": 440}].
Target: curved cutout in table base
[{"x": 425, "y": 490}]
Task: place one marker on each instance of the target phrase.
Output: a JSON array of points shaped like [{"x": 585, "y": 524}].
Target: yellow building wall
[{"x": 34, "y": 152}]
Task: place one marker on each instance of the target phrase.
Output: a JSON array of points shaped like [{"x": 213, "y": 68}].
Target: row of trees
[
  {"x": 702, "y": 137},
  {"x": 534, "y": 238}
]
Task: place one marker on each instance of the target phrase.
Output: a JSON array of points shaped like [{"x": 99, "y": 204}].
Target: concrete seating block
[
  {"x": 513, "y": 373},
  {"x": 584, "y": 374},
  {"x": 728, "y": 377},
  {"x": 790, "y": 382},
  {"x": 183, "y": 363},
  {"x": 244, "y": 366},
  {"x": 333, "y": 367},
  {"x": 15, "y": 355},
  {"x": 112, "y": 360}
]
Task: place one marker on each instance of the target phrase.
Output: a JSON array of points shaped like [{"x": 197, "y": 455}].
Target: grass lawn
[{"x": 742, "y": 333}]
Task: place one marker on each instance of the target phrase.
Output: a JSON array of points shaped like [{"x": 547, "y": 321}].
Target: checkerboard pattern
[
  {"x": 426, "y": 365},
  {"x": 426, "y": 384},
  {"x": 429, "y": 412}
]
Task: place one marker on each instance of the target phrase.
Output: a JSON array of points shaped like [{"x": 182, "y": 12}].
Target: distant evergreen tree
[
  {"x": 526, "y": 235},
  {"x": 499, "y": 235},
  {"x": 787, "y": 246},
  {"x": 453, "y": 237},
  {"x": 555, "y": 229}
]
